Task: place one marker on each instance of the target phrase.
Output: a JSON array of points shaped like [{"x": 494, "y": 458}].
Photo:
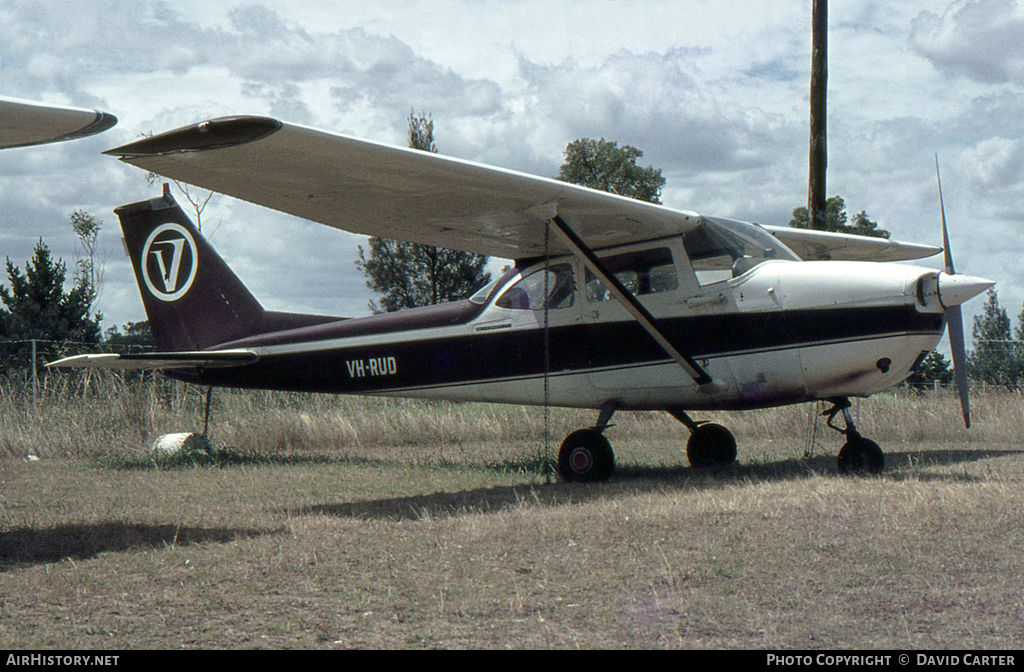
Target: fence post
[{"x": 35, "y": 376}]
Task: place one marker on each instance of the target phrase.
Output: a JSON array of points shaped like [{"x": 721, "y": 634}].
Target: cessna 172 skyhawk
[{"x": 616, "y": 303}]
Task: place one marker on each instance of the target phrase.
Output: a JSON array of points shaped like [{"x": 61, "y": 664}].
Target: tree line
[{"x": 998, "y": 354}]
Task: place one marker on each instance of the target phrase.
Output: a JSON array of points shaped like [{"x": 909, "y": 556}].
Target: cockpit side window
[
  {"x": 528, "y": 293},
  {"x": 641, "y": 272}
]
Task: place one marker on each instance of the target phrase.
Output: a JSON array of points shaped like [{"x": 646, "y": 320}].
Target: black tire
[
  {"x": 711, "y": 445},
  {"x": 861, "y": 457},
  {"x": 586, "y": 456}
]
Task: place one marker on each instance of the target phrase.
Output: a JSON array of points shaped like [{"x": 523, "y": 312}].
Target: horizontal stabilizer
[{"x": 159, "y": 360}]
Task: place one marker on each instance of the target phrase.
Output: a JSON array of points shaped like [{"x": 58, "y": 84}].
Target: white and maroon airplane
[{"x": 615, "y": 303}]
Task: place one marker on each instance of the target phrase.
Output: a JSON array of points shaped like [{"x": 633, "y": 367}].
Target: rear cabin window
[
  {"x": 641, "y": 272},
  {"x": 528, "y": 293}
]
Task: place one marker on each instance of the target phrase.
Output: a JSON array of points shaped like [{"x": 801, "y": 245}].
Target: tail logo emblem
[{"x": 170, "y": 260}]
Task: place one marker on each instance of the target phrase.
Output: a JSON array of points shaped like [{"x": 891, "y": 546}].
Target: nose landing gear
[{"x": 858, "y": 456}]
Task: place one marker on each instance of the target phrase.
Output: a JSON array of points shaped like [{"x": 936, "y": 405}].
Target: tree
[
  {"x": 36, "y": 307},
  {"x": 421, "y": 132},
  {"x": 137, "y": 336},
  {"x": 411, "y": 275},
  {"x": 996, "y": 358},
  {"x": 87, "y": 271},
  {"x": 198, "y": 198},
  {"x": 835, "y": 220},
  {"x": 604, "y": 165},
  {"x": 933, "y": 369}
]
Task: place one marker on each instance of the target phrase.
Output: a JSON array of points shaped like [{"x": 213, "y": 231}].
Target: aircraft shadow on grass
[
  {"x": 30, "y": 546},
  {"x": 632, "y": 479},
  {"x": 940, "y": 458}
]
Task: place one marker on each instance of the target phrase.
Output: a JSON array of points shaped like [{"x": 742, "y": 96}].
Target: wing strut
[{"x": 630, "y": 302}]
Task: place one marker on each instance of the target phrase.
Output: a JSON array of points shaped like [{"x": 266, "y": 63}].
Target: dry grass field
[{"x": 332, "y": 522}]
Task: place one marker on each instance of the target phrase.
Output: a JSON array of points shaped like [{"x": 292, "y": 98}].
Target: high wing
[
  {"x": 159, "y": 360},
  {"x": 24, "y": 123},
  {"x": 394, "y": 192},
  {"x": 420, "y": 197},
  {"x": 812, "y": 245}
]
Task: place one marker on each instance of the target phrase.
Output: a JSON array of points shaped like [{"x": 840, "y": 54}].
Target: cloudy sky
[{"x": 714, "y": 92}]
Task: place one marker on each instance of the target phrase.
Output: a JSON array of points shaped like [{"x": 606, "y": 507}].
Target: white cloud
[
  {"x": 996, "y": 165},
  {"x": 981, "y": 39}
]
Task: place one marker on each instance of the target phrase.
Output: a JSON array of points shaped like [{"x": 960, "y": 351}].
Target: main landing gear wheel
[
  {"x": 586, "y": 456},
  {"x": 711, "y": 445}
]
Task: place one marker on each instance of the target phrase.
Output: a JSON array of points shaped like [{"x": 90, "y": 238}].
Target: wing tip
[
  {"x": 212, "y": 134},
  {"x": 102, "y": 121}
]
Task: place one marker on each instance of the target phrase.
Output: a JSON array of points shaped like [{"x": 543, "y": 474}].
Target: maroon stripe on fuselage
[{"x": 466, "y": 358}]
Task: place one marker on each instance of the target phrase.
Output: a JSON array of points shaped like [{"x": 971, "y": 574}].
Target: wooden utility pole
[{"x": 819, "y": 94}]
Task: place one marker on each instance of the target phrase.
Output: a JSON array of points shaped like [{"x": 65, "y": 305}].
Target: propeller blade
[
  {"x": 955, "y": 326},
  {"x": 947, "y": 254},
  {"x": 954, "y": 316}
]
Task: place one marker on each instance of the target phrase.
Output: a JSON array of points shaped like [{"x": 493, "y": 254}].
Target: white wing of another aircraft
[
  {"x": 24, "y": 123},
  {"x": 420, "y": 197}
]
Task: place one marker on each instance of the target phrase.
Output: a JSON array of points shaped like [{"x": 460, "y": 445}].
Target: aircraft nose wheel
[
  {"x": 586, "y": 456},
  {"x": 858, "y": 456}
]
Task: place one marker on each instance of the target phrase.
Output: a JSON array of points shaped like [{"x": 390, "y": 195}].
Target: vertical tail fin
[{"x": 192, "y": 298}]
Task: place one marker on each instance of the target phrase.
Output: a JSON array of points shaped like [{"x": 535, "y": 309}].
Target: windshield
[
  {"x": 720, "y": 249},
  {"x": 480, "y": 297},
  {"x": 484, "y": 293}
]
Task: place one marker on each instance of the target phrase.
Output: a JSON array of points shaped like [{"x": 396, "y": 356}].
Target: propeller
[{"x": 954, "y": 290}]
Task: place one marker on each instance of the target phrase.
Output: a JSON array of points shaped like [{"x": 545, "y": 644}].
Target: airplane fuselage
[{"x": 782, "y": 332}]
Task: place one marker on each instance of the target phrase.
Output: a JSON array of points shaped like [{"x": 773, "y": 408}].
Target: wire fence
[
  {"x": 23, "y": 361},
  {"x": 23, "y": 353}
]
